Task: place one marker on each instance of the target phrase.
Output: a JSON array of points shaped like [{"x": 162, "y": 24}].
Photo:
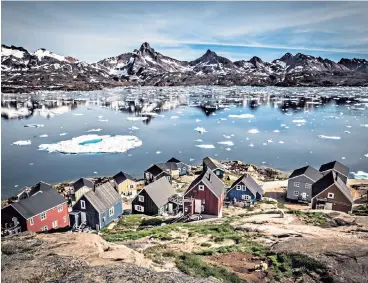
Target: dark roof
[
  {"x": 38, "y": 203},
  {"x": 155, "y": 170},
  {"x": 308, "y": 171},
  {"x": 168, "y": 166},
  {"x": 173, "y": 159},
  {"x": 121, "y": 177},
  {"x": 250, "y": 183},
  {"x": 103, "y": 197},
  {"x": 40, "y": 186},
  {"x": 211, "y": 181},
  {"x": 335, "y": 165},
  {"x": 328, "y": 180},
  {"x": 81, "y": 183},
  {"x": 212, "y": 163},
  {"x": 160, "y": 191}
]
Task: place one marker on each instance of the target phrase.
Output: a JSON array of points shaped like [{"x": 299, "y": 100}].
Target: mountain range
[{"x": 23, "y": 71}]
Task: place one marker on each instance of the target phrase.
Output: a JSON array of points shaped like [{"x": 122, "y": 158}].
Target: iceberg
[
  {"x": 251, "y": 145},
  {"x": 360, "y": 175},
  {"x": 301, "y": 121},
  {"x": 44, "y": 136},
  {"x": 198, "y": 120},
  {"x": 228, "y": 143},
  {"x": 93, "y": 144},
  {"x": 137, "y": 118},
  {"x": 241, "y": 116},
  {"x": 34, "y": 126},
  {"x": 276, "y": 131},
  {"x": 281, "y": 142},
  {"x": 63, "y": 134},
  {"x": 228, "y": 149},
  {"x": 133, "y": 128},
  {"x": 253, "y": 131},
  {"x": 366, "y": 155},
  {"x": 200, "y": 130},
  {"x": 94, "y": 130},
  {"x": 158, "y": 152},
  {"x": 205, "y": 145},
  {"x": 329, "y": 137},
  {"x": 27, "y": 142}
]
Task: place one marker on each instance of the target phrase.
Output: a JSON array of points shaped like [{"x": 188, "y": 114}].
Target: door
[
  {"x": 198, "y": 206},
  {"x": 170, "y": 208},
  {"x": 328, "y": 206},
  {"x": 303, "y": 195},
  {"x": 83, "y": 217}
]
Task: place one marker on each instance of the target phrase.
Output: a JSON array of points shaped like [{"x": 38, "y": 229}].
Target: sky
[{"x": 91, "y": 31}]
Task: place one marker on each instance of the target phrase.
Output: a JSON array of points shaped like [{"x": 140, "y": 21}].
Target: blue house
[
  {"x": 97, "y": 207},
  {"x": 245, "y": 189}
]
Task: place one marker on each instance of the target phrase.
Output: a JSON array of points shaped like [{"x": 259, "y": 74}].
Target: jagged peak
[
  {"x": 287, "y": 56},
  {"x": 256, "y": 59},
  {"x": 146, "y": 47}
]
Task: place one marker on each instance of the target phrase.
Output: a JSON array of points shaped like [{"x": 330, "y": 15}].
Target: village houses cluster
[{"x": 93, "y": 206}]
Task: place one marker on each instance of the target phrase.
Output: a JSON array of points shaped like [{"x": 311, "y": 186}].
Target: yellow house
[
  {"x": 79, "y": 188},
  {"x": 126, "y": 184}
]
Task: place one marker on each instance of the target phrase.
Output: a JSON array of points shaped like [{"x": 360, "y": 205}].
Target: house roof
[
  {"x": 173, "y": 159},
  {"x": 328, "y": 180},
  {"x": 82, "y": 182},
  {"x": 40, "y": 186},
  {"x": 211, "y": 181},
  {"x": 335, "y": 165},
  {"x": 41, "y": 201},
  {"x": 103, "y": 197},
  {"x": 212, "y": 163},
  {"x": 155, "y": 170},
  {"x": 168, "y": 166},
  {"x": 121, "y": 177},
  {"x": 250, "y": 183},
  {"x": 308, "y": 171},
  {"x": 160, "y": 191}
]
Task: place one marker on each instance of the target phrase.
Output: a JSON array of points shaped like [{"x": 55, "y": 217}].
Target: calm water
[{"x": 172, "y": 133}]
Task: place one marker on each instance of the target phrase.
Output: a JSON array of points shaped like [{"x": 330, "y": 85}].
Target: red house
[
  {"x": 205, "y": 195},
  {"x": 43, "y": 211}
]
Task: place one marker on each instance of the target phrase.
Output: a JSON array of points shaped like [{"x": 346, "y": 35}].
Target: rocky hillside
[{"x": 23, "y": 71}]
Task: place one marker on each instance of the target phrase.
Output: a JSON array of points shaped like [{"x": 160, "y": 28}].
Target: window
[
  {"x": 238, "y": 187},
  {"x": 44, "y": 228},
  {"x": 111, "y": 211},
  {"x": 43, "y": 216},
  {"x": 55, "y": 224},
  {"x": 201, "y": 187},
  {"x": 64, "y": 218},
  {"x": 296, "y": 193},
  {"x": 31, "y": 221},
  {"x": 131, "y": 186},
  {"x": 139, "y": 208},
  {"x": 296, "y": 184},
  {"x": 307, "y": 186},
  {"x": 141, "y": 198},
  {"x": 83, "y": 204},
  {"x": 330, "y": 195},
  {"x": 244, "y": 188},
  {"x": 179, "y": 169},
  {"x": 247, "y": 197},
  {"x": 218, "y": 173},
  {"x": 60, "y": 208}
]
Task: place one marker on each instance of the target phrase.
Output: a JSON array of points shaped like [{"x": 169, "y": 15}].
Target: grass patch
[
  {"x": 361, "y": 210},
  {"x": 194, "y": 265},
  {"x": 313, "y": 218}
]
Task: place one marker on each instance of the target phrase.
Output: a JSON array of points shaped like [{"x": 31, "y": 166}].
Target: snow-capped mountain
[{"x": 43, "y": 69}]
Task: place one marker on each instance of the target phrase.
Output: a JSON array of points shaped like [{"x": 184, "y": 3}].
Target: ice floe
[
  {"x": 137, "y": 118},
  {"x": 281, "y": 142},
  {"x": 44, "y": 136},
  {"x": 226, "y": 137},
  {"x": 241, "y": 116},
  {"x": 158, "y": 152},
  {"x": 276, "y": 131},
  {"x": 78, "y": 114},
  {"x": 94, "y": 130},
  {"x": 103, "y": 120},
  {"x": 205, "y": 145},
  {"x": 300, "y": 121},
  {"x": 228, "y": 143},
  {"x": 228, "y": 149},
  {"x": 251, "y": 145},
  {"x": 253, "y": 131},
  {"x": 364, "y": 125},
  {"x": 34, "y": 125},
  {"x": 198, "y": 120},
  {"x": 174, "y": 117},
  {"x": 198, "y": 140},
  {"x": 27, "y": 142},
  {"x": 133, "y": 128},
  {"x": 63, "y": 134},
  {"x": 360, "y": 175},
  {"x": 200, "y": 130},
  {"x": 366, "y": 155},
  {"x": 329, "y": 137},
  {"x": 93, "y": 144}
]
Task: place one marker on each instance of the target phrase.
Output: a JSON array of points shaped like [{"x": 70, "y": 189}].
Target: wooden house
[
  {"x": 183, "y": 169},
  {"x": 155, "y": 199},
  {"x": 97, "y": 207},
  {"x": 44, "y": 210},
  {"x": 214, "y": 165},
  {"x": 331, "y": 193},
  {"x": 300, "y": 183},
  {"x": 340, "y": 169},
  {"x": 155, "y": 172},
  {"x": 245, "y": 189},
  {"x": 205, "y": 195},
  {"x": 79, "y": 188},
  {"x": 126, "y": 184}
]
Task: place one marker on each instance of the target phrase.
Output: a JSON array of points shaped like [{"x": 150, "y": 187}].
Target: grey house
[
  {"x": 214, "y": 165},
  {"x": 300, "y": 183},
  {"x": 340, "y": 170}
]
